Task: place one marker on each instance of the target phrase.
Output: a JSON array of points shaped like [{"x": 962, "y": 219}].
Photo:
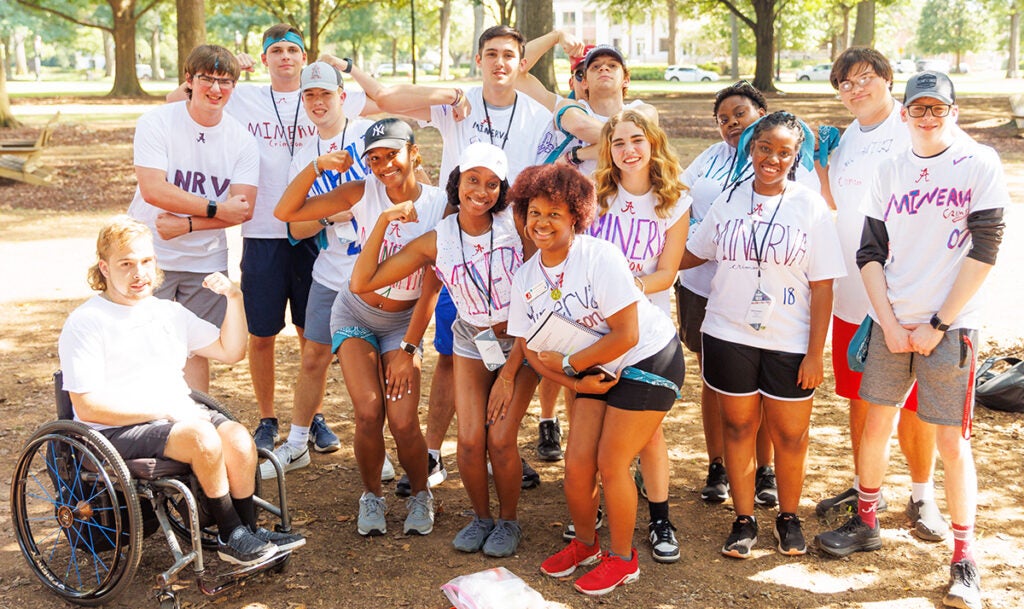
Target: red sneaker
[
  {"x": 609, "y": 575},
  {"x": 571, "y": 556}
]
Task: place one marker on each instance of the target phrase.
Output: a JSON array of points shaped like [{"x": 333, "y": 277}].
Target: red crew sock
[
  {"x": 963, "y": 539},
  {"x": 867, "y": 502}
]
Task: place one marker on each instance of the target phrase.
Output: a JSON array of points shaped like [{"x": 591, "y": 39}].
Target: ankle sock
[
  {"x": 963, "y": 540},
  {"x": 922, "y": 491},
  {"x": 298, "y": 436},
  {"x": 435, "y": 453},
  {"x": 867, "y": 503}
]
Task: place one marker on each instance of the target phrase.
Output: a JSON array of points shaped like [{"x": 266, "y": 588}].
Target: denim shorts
[{"x": 352, "y": 317}]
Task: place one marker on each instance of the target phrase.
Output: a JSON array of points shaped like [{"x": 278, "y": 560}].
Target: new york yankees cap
[
  {"x": 388, "y": 133},
  {"x": 929, "y": 84},
  {"x": 321, "y": 75},
  {"x": 486, "y": 155}
]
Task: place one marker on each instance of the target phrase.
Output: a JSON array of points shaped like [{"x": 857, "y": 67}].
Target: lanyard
[
  {"x": 758, "y": 251},
  {"x": 490, "y": 127},
  {"x": 295, "y": 121},
  {"x": 344, "y": 131},
  {"x": 462, "y": 250},
  {"x": 554, "y": 289}
]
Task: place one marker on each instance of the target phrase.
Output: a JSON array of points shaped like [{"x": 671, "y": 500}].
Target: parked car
[
  {"x": 689, "y": 74},
  {"x": 904, "y": 66},
  {"x": 935, "y": 65},
  {"x": 818, "y": 72},
  {"x": 385, "y": 69},
  {"x": 143, "y": 71}
]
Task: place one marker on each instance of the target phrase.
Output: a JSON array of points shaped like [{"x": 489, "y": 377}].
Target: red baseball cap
[{"x": 576, "y": 62}]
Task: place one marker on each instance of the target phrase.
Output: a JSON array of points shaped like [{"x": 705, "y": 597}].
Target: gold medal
[{"x": 556, "y": 294}]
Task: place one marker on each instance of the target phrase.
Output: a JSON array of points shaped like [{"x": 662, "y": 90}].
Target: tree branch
[
  {"x": 52, "y": 11},
  {"x": 735, "y": 11}
]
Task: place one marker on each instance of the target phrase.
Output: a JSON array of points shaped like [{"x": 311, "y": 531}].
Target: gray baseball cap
[
  {"x": 929, "y": 84},
  {"x": 321, "y": 75}
]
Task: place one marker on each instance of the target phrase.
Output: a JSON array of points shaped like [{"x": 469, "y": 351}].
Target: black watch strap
[
  {"x": 211, "y": 208},
  {"x": 937, "y": 324},
  {"x": 348, "y": 65}
]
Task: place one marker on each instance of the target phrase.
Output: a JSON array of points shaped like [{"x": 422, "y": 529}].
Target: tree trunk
[
  {"x": 126, "y": 82},
  {"x": 313, "y": 50},
  {"x": 191, "y": 30},
  {"x": 478, "y": 29},
  {"x": 109, "y": 55},
  {"x": 20, "y": 57},
  {"x": 536, "y": 18},
  {"x": 673, "y": 30},
  {"x": 844, "y": 36},
  {"x": 1012, "y": 69},
  {"x": 445, "y": 19},
  {"x": 154, "y": 48},
  {"x": 7, "y": 120},
  {"x": 764, "y": 34},
  {"x": 864, "y": 31}
]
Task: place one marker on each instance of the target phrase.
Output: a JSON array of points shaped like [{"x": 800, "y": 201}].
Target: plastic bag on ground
[{"x": 496, "y": 588}]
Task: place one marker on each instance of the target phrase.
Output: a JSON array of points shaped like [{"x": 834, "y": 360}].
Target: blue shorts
[
  {"x": 444, "y": 316},
  {"x": 274, "y": 275}
]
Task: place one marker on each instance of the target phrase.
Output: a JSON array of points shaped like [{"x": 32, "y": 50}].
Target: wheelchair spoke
[{"x": 46, "y": 494}]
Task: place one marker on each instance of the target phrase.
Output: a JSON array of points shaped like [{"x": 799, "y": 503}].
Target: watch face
[{"x": 409, "y": 348}]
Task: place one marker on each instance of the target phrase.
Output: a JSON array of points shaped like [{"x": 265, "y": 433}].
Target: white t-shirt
[
  {"x": 631, "y": 224},
  {"x": 553, "y": 137},
  {"x": 200, "y": 160},
  {"x": 333, "y": 266},
  {"x": 430, "y": 208},
  {"x": 473, "y": 266},
  {"x": 135, "y": 350},
  {"x": 595, "y": 283},
  {"x": 707, "y": 177},
  {"x": 924, "y": 204},
  {"x": 798, "y": 244},
  {"x": 280, "y": 134},
  {"x": 850, "y": 170},
  {"x": 524, "y": 124}
]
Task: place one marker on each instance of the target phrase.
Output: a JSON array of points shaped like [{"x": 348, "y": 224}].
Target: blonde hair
[
  {"x": 114, "y": 236},
  {"x": 664, "y": 166}
]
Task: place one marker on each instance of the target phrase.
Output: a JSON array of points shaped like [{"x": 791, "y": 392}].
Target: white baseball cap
[
  {"x": 488, "y": 156},
  {"x": 321, "y": 75}
]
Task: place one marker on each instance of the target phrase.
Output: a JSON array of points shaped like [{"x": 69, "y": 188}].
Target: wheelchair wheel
[{"x": 76, "y": 514}]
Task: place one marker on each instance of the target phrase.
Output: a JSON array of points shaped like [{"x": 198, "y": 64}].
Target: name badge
[
  {"x": 536, "y": 291},
  {"x": 490, "y": 349},
  {"x": 761, "y": 306}
]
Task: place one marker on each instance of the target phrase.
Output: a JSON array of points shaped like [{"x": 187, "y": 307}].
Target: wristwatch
[
  {"x": 408, "y": 347},
  {"x": 937, "y": 324},
  {"x": 211, "y": 208},
  {"x": 567, "y": 367},
  {"x": 348, "y": 65},
  {"x": 325, "y": 222}
]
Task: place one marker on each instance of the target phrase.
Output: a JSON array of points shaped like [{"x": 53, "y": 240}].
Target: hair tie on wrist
[{"x": 189, "y": 223}]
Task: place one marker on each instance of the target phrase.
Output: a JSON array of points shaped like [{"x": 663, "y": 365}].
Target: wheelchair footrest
[{"x": 214, "y": 584}]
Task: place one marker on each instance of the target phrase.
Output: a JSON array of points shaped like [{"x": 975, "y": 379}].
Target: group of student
[{"x": 575, "y": 208}]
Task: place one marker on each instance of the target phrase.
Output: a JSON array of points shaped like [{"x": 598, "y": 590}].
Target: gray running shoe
[
  {"x": 244, "y": 548},
  {"x": 928, "y": 522},
  {"x": 266, "y": 434},
  {"x": 472, "y": 537},
  {"x": 504, "y": 539},
  {"x": 371, "y": 515},
  {"x": 420, "y": 520},
  {"x": 964, "y": 586},
  {"x": 291, "y": 457},
  {"x": 854, "y": 536},
  {"x": 283, "y": 541}
]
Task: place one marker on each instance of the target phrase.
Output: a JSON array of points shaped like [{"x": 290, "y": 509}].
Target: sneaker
[
  {"x": 964, "y": 586},
  {"x": 472, "y": 536},
  {"x": 244, "y": 548},
  {"x": 420, "y": 520},
  {"x": 716, "y": 488},
  {"x": 387, "y": 472},
  {"x": 549, "y": 441},
  {"x": 504, "y": 539},
  {"x": 845, "y": 503},
  {"x": 266, "y": 435},
  {"x": 371, "y": 515},
  {"x": 766, "y": 493},
  {"x": 321, "y": 437},
  {"x": 638, "y": 480},
  {"x": 565, "y": 561},
  {"x": 569, "y": 532},
  {"x": 609, "y": 575},
  {"x": 531, "y": 479},
  {"x": 742, "y": 538},
  {"x": 789, "y": 535},
  {"x": 436, "y": 474},
  {"x": 283, "y": 541},
  {"x": 928, "y": 522},
  {"x": 853, "y": 536},
  {"x": 291, "y": 458},
  {"x": 664, "y": 546}
]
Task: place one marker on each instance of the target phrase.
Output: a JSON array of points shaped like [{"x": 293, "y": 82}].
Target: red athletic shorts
[{"x": 848, "y": 381}]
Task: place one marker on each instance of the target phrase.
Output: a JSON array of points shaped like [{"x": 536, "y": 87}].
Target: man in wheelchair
[{"x": 123, "y": 352}]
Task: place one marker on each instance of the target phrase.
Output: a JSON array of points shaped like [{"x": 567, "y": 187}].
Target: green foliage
[
  {"x": 647, "y": 73},
  {"x": 952, "y": 26}
]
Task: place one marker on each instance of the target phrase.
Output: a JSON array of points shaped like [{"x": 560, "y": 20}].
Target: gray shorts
[
  {"x": 463, "y": 344},
  {"x": 147, "y": 440},
  {"x": 186, "y": 288},
  {"x": 351, "y": 317},
  {"x": 318, "y": 313},
  {"x": 942, "y": 379}
]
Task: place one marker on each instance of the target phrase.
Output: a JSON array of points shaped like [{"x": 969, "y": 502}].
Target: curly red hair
[{"x": 559, "y": 183}]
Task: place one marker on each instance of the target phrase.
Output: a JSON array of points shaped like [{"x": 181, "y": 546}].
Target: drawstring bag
[{"x": 1003, "y": 390}]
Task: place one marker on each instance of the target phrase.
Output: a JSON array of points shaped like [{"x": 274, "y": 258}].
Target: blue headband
[
  {"x": 805, "y": 155},
  {"x": 289, "y": 36}
]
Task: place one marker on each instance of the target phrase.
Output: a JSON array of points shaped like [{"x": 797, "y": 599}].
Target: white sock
[
  {"x": 435, "y": 453},
  {"x": 923, "y": 491},
  {"x": 298, "y": 436},
  {"x": 856, "y": 483},
  {"x": 545, "y": 420}
]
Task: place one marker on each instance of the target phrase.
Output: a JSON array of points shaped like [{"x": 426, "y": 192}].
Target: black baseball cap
[
  {"x": 388, "y": 133},
  {"x": 929, "y": 84},
  {"x": 602, "y": 49}
]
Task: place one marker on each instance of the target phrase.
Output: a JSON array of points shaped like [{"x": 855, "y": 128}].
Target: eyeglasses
[
  {"x": 861, "y": 81},
  {"x": 578, "y": 75},
  {"x": 938, "y": 110},
  {"x": 225, "y": 83}
]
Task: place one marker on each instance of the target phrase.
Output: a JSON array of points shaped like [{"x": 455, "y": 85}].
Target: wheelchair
[{"x": 81, "y": 512}]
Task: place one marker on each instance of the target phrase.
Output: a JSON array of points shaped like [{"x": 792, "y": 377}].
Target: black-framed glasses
[
  {"x": 861, "y": 81},
  {"x": 224, "y": 83},
  {"x": 578, "y": 75},
  {"x": 919, "y": 110}
]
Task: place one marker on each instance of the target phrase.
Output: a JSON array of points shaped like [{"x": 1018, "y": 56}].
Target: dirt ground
[{"x": 338, "y": 568}]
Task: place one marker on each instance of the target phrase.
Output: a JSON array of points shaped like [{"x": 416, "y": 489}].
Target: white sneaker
[
  {"x": 291, "y": 457},
  {"x": 387, "y": 473}
]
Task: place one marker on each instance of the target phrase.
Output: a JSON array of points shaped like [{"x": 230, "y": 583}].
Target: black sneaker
[
  {"x": 283, "y": 541},
  {"x": 436, "y": 474},
  {"x": 927, "y": 520},
  {"x": 266, "y": 434},
  {"x": 549, "y": 441},
  {"x": 789, "y": 535},
  {"x": 766, "y": 493},
  {"x": 245, "y": 548},
  {"x": 716, "y": 489},
  {"x": 569, "y": 532},
  {"x": 742, "y": 538},
  {"x": 531, "y": 479},
  {"x": 964, "y": 586},
  {"x": 845, "y": 503},
  {"x": 664, "y": 546},
  {"x": 853, "y": 536}
]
